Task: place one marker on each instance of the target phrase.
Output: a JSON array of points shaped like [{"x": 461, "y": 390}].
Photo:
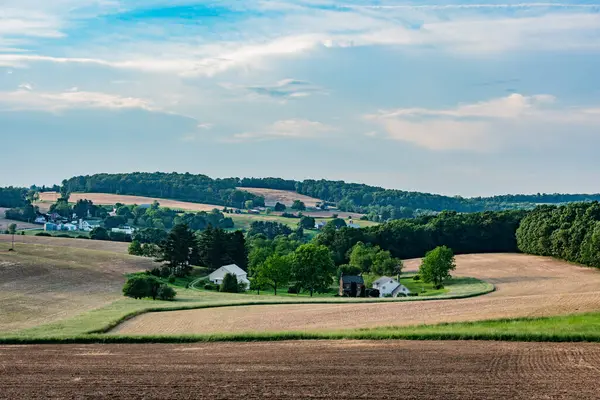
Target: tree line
[
  {"x": 570, "y": 232},
  {"x": 485, "y": 232},
  {"x": 185, "y": 187}
]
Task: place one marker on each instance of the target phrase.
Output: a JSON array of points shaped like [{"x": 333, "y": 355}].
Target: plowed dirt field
[
  {"x": 302, "y": 370},
  {"x": 526, "y": 286}
]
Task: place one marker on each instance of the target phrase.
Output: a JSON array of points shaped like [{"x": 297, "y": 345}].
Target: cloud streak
[
  {"x": 489, "y": 125},
  {"x": 286, "y": 129}
]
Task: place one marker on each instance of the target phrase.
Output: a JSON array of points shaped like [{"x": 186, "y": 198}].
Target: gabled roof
[
  {"x": 233, "y": 269},
  {"x": 383, "y": 280},
  {"x": 353, "y": 279}
]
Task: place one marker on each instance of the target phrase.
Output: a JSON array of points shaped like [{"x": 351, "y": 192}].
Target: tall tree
[
  {"x": 179, "y": 250},
  {"x": 437, "y": 265},
  {"x": 313, "y": 268},
  {"x": 275, "y": 271}
]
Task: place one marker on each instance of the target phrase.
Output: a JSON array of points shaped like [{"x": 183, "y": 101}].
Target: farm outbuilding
[{"x": 352, "y": 286}]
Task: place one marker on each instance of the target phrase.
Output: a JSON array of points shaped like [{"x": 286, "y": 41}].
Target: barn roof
[{"x": 353, "y": 279}]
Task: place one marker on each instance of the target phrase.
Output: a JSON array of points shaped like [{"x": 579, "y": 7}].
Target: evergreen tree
[{"x": 179, "y": 250}]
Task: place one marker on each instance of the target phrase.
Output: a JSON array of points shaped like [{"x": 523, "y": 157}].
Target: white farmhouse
[
  {"x": 126, "y": 230},
  {"x": 390, "y": 287},
  {"x": 217, "y": 276}
]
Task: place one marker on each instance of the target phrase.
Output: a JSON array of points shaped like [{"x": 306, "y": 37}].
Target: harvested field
[
  {"x": 100, "y": 245},
  {"x": 527, "y": 286},
  {"x": 300, "y": 370},
  {"x": 111, "y": 199},
  {"x": 287, "y": 197},
  {"x": 44, "y": 284}
]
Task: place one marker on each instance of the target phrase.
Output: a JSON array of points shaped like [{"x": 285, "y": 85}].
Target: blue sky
[{"x": 454, "y": 97}]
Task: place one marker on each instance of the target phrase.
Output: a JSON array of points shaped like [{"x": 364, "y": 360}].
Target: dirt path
[
  {"x": 526, "y": 286},
  {"x": 301, "y": 370}
]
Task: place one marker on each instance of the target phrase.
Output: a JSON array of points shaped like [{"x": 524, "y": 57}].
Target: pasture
[
  {"x": 526, "y": 286},
  {"x": 297, "y": 370}
]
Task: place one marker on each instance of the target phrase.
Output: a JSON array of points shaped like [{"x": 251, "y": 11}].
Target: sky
[{"x": 460, "y": 97}]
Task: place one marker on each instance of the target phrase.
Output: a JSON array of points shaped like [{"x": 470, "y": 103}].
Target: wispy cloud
[
  {"x": 27, "y": 99},
  {"x": 287, "y": 129},
  {"x": 488, "y": 125}
]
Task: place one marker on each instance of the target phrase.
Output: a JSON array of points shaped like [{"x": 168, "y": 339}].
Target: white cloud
[
  {"x": 287, "y": 129},
  {"x": 26, "y": 99},
  {"x": 487, "y": 125}
]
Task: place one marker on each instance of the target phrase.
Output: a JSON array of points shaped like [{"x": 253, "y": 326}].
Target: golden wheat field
[
  {"x": 110, "y": 199},
  {"x": 525, "y": 286},
  {"x": 286, "y": 197}
]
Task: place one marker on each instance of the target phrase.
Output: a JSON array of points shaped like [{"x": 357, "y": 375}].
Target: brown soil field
[
  {"x": 111, "y": 199},
  {"x": 100, "y": 245},
  {"x": 286, "y": 197},
  {"x": 526, "y": 286},
  {"x": 303, "y": 370},
  {"x": 42, "y": 284}
]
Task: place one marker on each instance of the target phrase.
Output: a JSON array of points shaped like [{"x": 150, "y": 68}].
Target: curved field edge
[
  {"x": 105, "y": 319},
  {"x": 569, "y": 328}
]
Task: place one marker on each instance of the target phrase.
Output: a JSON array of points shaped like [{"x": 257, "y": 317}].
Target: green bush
[
  {"x": 171, "y": 279},
  {"x": 230, "y": 284},
  {"x": 166, "y": 293},
  {"x": 136, "y": 287},
  {"x": 416, "y": 278},
  {"x": 210, "y": 286},
  {"x": 142, "y": 286},
  {"x": 44, "y": 234}
]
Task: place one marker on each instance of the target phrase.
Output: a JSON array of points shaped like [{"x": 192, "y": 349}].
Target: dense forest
[
  {"x": 486, "y": 232},
  {"x": 185, "y": 187},
  {"x": 395, "y": 204},
  {"x": 378, "y": 203},
  {"x": 12, "y": 197},
  {"x": 570, "y": 232}
]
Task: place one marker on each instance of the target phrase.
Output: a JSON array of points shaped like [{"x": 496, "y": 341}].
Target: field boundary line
[{"x": 107, "y": 328}]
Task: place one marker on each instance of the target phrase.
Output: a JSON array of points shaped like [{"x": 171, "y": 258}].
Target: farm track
[
  {"x": 526, "y": 286},
  {"x": 300, "y": 370}
]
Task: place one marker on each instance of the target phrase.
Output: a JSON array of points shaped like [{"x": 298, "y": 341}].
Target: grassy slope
[
  {"x": 42, "y": 284},
  {"x": 109, "y": 316}
]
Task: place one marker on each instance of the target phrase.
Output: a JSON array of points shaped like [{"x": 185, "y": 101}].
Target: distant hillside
[{"x": 352, "y": 197}]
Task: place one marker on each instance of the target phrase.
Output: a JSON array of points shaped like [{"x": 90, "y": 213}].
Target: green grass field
[{"x": 570, "y": 328}]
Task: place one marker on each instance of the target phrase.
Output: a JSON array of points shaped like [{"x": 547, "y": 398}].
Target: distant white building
[
  {"x": 126, "y": 230},
  {"x": 88, "y": 226},
  {"x": 40, "y": 220},
  {"x": 390, "y": 287},
  {"x": 67, "y": 227},
  {"x": 353, "y": 225},
  {"x": 320, "y": 225},
  {"x": 217, "y": 276}
]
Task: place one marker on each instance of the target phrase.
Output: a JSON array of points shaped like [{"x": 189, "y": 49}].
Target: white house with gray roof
[
  {"x": 217, "y": 276},
  {"x": 390, "y": 287}
]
